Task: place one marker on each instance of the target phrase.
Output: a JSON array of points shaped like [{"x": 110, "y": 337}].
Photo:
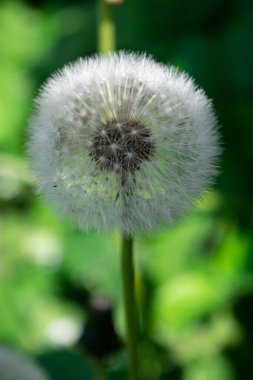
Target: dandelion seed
[
  {"x": 139, "y": 136},
  {"x": 15, "y": 366}
]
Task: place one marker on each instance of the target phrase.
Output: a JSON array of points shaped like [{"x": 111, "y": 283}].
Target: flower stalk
[
  {"x": 127, "y": 272},
  {"x": 106, "y": 44},
  {"x": 106, "y": 27}
]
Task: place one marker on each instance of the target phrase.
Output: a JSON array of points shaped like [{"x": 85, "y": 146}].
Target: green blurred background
[{"x": 195, "y": 282}]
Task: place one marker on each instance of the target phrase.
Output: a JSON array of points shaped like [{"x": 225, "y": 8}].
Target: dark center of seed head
[{"x": 121, "y": 146}]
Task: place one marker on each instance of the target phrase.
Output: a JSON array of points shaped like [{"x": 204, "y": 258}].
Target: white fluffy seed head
[
  {"x": 14, "y": 366},
  {"x": 120, "y": 141}
]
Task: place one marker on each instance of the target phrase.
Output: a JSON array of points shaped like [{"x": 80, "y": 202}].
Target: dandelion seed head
[{"x": 129, "y": 142}]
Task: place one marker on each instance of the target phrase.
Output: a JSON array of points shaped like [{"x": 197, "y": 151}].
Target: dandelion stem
[
  {"x": 127, "y": 268},
  {"x": 106, "y": 27},
  {"x": 106, "y": 44}
]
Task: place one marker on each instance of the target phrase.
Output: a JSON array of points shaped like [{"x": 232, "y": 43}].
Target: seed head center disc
[{"x": 121, "y": 146}]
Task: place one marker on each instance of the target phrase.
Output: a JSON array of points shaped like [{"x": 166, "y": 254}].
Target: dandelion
[
  {"x": 14, "y": 366},
  {"x": 121, "y": 141}
]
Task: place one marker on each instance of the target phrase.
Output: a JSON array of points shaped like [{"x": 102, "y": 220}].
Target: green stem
[
  {"x": 106, "y": 44},
  {"x": 106, "y": 27},
  {"x": 127, "y": 268}
]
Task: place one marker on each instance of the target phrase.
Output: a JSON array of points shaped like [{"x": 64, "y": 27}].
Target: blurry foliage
[{"x": 195, "y": 283}]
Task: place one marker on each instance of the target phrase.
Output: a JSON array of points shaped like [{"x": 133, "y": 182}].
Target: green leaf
[{"x": 66, "y": 365}]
